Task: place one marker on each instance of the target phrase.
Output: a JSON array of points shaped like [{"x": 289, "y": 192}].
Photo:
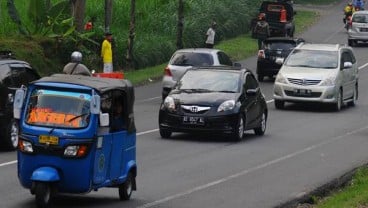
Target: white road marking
[
  {"x": 8, "y": 163},
  {"x": 247, "y": 171}
]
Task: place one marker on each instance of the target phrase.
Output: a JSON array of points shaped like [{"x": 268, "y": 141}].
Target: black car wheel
[
  {"x": 279, "y": 104},
  {"x": 12, "y": 133},
  {"x": 263, "y": 124},
  {"x": 126, "y": 189},
  {"x": 165, "y": 133},
  {"x": 238, "y": 133}
]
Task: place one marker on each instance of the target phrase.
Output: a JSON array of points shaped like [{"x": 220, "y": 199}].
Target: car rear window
[
  {"x": 192, "y": 59},
  {"x": 360, "y": 18},
  {"x": 280, "y": 45}
]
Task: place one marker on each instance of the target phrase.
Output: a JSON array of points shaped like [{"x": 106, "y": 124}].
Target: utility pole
[{"x": 180, "y": 25}]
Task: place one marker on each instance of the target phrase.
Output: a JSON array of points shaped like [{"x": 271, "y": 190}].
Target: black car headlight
[
  {"x": 169, "y": 104},
  {"x": 226, "y": 106}
]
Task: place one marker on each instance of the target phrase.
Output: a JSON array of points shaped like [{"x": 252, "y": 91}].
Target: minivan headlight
[
  {"x": 281, "y": 79},
  {"x": 330, "y": 81},
  {"x": 226, "y": 106}
]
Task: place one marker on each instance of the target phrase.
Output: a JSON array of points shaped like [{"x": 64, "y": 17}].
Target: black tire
[
  {"x": 279, "y": 104},
  {"x": 354, "y": 97},
  {"x": 12, "y": 135},
  {"x": 339, "y": 101},
  {"x": 43, "y": 194},
  {"x": 166, "y": 134},
  {"x": 350, "y": 43},
  {"x": 126, "y": 189},
  {"x": 260, "y": 77},
  {"x": 262, "y": 128},
  {"x": 238, "y": 133}
]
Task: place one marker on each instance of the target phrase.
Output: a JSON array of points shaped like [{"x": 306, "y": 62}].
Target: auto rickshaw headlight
[
  {"x": 25, "y": 146},
  {"x": 76, "y": 151}
]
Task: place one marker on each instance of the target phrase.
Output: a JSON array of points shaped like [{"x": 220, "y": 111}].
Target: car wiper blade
[
  {"x": 77, "y": 116},
  {"x": 196, "y": 90},
  {"x": 227, "y": 91}
]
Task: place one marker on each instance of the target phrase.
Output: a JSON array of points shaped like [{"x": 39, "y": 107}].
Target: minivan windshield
[
  {"x": 58, "y": 109},
  {"x": 313, "y": 59},
  {"x": 209, "y": 81}
]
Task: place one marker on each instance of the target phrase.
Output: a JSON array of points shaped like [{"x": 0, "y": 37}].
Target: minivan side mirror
[
  {"x": 18, "y": 103},
  {"x": 347, "y": 65}
]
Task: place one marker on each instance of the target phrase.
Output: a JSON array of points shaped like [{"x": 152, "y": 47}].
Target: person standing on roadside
[
  {"x": 261, "y": 30},
  {"x": 106, "y": 53},
  {"x": 211, "y": 32}
]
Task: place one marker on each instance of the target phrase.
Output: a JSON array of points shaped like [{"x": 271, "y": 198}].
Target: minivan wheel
[
  {"x": 279, "y": 104},
  {"x": 350, "y": 42},
  {"x": 12, "y": 133},
  {"x": 354, "y": 97},
  {"x": 339, "y": 101}
]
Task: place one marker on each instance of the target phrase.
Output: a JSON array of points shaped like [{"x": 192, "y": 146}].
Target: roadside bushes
[{"x": 155, "y": 29}]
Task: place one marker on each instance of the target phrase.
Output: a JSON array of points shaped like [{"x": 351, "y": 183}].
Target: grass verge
[{"x": 237, "y": 48}]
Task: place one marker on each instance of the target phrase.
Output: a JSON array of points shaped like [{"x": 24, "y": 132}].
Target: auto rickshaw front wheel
[
  {"x": 43, "y": 194},
  {"x": 126, "y": 189}
]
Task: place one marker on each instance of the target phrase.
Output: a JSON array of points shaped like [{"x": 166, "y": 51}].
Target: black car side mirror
[{"x": 251, "y": 92}]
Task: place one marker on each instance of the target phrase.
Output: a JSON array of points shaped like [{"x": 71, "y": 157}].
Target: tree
[
  {"x": 78, "y": 10},
  {"x": 108, "y": 15},
  {"x": 129, "y": 55},
  {"x": 179, "y": 33}
]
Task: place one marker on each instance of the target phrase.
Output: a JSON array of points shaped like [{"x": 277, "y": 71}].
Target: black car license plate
[
  {"x": 193, "y": 120},
  {"x": 363, "y": 29},
  {"x": 303, "y": 92}
]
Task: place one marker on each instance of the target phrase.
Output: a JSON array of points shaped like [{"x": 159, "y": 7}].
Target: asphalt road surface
[{"x": 304, "y": 147}]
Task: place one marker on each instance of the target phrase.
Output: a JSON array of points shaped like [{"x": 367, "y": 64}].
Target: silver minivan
[
  {"x": 322, "y": 73},
  {"x": 358, "y": 30}
]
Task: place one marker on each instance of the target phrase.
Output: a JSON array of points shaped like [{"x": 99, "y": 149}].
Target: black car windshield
[
  {"x": 313, "y": 59},
  {"x": 192, "y": 59},
  {"x": 280, "y": 45},
  {"x": 209, "y": 81},
  {"x": 58, "y": 109},
  {"x": 360, "y": 18}
]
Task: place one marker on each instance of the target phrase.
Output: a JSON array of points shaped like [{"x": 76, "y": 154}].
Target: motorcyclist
[
  {"x": 348, "y": 11},
  {"x": 75, "y": 66}
]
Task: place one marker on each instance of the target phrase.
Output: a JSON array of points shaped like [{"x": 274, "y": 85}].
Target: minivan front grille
[{"x": 304, "y": 81}]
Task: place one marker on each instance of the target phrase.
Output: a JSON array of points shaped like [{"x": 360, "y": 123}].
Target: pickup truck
[{"x": 279, "y": 26}]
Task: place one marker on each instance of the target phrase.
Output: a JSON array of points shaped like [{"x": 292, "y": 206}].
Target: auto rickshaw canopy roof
[{"x": 101, "y": 85}]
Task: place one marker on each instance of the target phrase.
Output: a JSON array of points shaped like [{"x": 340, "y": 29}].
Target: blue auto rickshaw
[{"x": 77, "y": 135}]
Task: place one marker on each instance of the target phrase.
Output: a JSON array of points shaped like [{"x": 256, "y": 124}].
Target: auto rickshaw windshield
[{"x": 58, "y": 109}]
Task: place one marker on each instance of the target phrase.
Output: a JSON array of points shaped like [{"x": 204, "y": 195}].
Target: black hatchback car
[
  {"x": 224, "y": 100},
  {"x": 273, "y": 49},
  {"x": 13, "y": 74}
]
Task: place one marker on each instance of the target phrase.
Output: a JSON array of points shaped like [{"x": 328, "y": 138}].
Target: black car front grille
[{"x": 304, "y": 81}]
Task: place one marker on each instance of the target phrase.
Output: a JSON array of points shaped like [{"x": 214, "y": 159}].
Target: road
[{"x": 304, "y": 147}]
